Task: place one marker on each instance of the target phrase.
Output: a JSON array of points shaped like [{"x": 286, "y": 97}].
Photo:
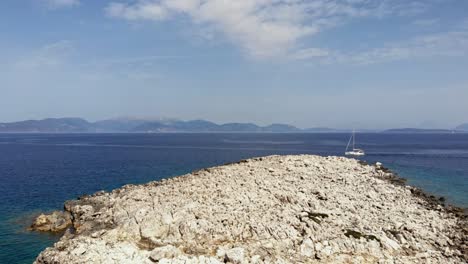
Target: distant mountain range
[
  {"x": 128, "y": 125},
  {"x": 135, "y": 125},
  {"x": 49, "y": 125},
  {"x": 417, "y": 130}
]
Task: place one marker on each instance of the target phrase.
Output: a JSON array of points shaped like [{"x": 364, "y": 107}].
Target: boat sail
[{"x": 354, "y": 151}]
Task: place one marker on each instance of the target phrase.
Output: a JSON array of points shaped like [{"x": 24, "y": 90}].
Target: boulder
[
  {"x": 56, "y": 221},
  {"x": 167, "y": 252},
  {"x": 307, "y": 248},
  {"x": 235, "y": 255}
]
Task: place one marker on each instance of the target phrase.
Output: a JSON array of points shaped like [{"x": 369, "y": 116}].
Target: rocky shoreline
[{"x": 276, "y": 209}]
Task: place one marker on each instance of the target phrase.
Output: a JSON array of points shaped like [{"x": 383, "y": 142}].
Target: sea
[{"x": 38, "y": 172}]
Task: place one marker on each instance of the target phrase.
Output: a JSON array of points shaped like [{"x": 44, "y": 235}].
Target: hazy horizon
[
  {"x": 340, "y": 64},
  {"x": 423, "y": 125}
]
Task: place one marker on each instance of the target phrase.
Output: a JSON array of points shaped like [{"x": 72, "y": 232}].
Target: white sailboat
[{"x": 354, "y": 151}]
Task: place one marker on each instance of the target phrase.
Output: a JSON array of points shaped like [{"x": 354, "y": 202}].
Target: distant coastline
[
  {"x": 129, "y": 125},
  {"x": 421, "y": 131}
]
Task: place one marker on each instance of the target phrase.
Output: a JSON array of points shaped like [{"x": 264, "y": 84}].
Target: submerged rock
[
  {"x": 274, "y": 209},
  {"x": 57, "y": 221}
]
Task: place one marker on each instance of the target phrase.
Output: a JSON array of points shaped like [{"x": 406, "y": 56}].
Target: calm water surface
[{"x": 40, "y": 172}]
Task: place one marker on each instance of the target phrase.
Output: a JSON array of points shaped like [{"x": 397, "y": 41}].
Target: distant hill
[
  {"x": 416, "y": 130},
  {"x": 49, "y": 125},
  {"x": 207, "y": 126},
  {"x": 239, "y": 127},
  {"x": 139, "y": 125},
  {"x": 324, "y": 130},
  {"x": 462, "y": 127},
  {"x": 126, "y": 125},
  {"x": 280, "y": 128},
  {"x": 117, "y": 125},
  {"x": 196, "y": 125},
  {"x": 175, "y": 126}
]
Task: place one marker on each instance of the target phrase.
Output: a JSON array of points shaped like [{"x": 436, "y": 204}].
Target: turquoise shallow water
[{"x": 40, "y": 172}]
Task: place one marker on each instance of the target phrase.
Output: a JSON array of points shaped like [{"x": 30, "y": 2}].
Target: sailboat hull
[{"x": 354, "y": 153}]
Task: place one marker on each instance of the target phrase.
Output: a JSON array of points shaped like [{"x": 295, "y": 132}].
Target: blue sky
[{"x": 335, "y": 63}]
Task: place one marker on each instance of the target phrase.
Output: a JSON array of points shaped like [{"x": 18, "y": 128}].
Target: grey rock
[
  {"x": 167, "y": 252},
  {"x": 263, "y": 210},
  {"x": 235, "y": 255},
  {"x": 57, "y": 221},
  {"x": 307, "y": 248}
]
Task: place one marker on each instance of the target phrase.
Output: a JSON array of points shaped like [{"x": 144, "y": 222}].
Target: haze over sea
[{"x": 41, "y": 171}]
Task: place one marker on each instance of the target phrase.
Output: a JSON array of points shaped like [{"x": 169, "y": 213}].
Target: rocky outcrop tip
[
  {"x": 57, "y": 221},
  {"x": 276, "y": 209}
]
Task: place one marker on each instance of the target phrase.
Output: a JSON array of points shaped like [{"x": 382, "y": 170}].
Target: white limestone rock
[
  {"x": 166, "y": 252},
  {"x": 389, "y": 243},
  {"x": 307, "y": 248},
  {"x": 277, "y": 209},
  {"x": 235, "y": 255}
]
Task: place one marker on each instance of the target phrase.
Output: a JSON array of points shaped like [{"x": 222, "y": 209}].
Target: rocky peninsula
[{"x": 276, "y": 209}]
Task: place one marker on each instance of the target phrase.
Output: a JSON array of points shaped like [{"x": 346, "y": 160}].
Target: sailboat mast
[{"x": 354, "y": 138}]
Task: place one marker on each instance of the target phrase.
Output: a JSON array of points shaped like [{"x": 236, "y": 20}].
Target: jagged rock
[
  {"x": 389, "y": 243},
  {"x": 167, "y": 252},
  {"x": 235, "y": 255},
  {"x": 57, "y": 221},
  {"x": 307, "y": 248},
  {"x": 266, "y": 210}
]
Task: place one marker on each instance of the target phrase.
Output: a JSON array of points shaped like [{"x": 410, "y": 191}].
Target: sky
[{"x": 310, "y": 63}]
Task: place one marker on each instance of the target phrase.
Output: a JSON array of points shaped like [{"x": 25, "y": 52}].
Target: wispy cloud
[
  {"x": 140, "y": 60},
  {"x": 56, "y": 4},
  {"x": 426, "y": 22},
  {"x": 264, "y": 28},
  {"x": 309, "y": 53},
  {"x": 50, "y": 55},
  {"x": 454, "y": 43}
]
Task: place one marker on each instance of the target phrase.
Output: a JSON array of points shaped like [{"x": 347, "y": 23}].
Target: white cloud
[
  {"x": 309, "y": 53},
  {"x": 56, "y": 4},
  {"x": 141, "y": 11},
  {"x": 50, "y": 55},
  {"x": 454, "y": 43},
  {"x": 263, "y": 28}
]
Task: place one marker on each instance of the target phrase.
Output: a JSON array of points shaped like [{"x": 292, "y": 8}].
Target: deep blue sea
[{"x": 39, "y": 172}]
